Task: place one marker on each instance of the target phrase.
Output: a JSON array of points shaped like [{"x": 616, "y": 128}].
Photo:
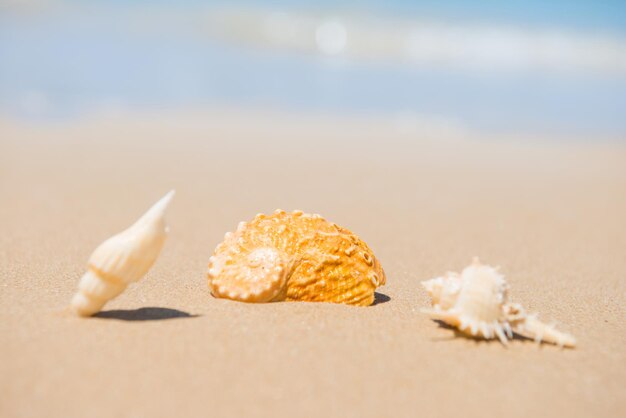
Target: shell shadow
[
  {"x": 380, "y": 298},
  {"x": 143, "y": 314}
]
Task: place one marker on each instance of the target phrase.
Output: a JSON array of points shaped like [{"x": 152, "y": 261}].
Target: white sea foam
[{"x": 462, "y": 47}]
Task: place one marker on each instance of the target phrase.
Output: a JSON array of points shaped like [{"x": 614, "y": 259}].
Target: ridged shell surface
[{"x": 295, "y": 257}]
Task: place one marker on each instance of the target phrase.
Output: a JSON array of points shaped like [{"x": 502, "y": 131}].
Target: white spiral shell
[
  {"x": 122, "y": 259},
  {"x": 476, "y": 303}
]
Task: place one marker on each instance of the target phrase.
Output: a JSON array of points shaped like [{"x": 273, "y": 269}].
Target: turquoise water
[{"x": 67, "y": 62}]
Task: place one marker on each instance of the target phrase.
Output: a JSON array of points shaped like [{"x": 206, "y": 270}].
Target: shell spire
[
  {"x": 122, "y": 259},
  {"x": 529, "y": 326},
  {"x": 157, "y": 212},
  {"x": 476, "y": 303}
]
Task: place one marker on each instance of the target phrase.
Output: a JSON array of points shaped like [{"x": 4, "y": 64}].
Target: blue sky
[
  {"x": 587, "y": 14},
  {"x": 59, "y": 65}
]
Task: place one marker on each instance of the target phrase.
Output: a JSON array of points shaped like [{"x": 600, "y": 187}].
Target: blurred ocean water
[{"x": 516, "y": 67}]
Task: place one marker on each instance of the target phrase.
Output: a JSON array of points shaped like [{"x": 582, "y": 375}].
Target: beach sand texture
[{"x": 552, "y": 214}]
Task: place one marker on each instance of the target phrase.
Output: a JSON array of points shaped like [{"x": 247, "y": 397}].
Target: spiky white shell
[
  {"x": 121, "y": 260},
  {"x": 471, "y": 302},
  {"x": 476, "y": 303}
]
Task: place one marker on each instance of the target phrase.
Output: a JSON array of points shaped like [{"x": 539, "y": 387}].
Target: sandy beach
[{"x": 550, "y": 211}]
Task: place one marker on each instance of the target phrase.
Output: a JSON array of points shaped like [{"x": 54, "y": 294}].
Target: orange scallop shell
[{"x": 294, "y": 257}]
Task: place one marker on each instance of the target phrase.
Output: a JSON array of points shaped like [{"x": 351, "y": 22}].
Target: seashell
[
  {"x": 121, "y": 260},
  {"x": 476, "y": 303},
  {"x": 294, "y": 257}
]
